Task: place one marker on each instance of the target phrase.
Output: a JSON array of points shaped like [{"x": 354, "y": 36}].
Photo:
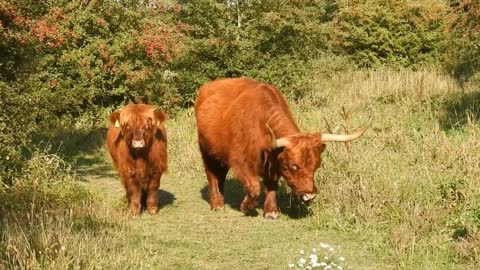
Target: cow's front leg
[
  {"x": 152, "y": 194},
  {"x": 270, "y": 209},
  {"x": 252, "y": 193}
]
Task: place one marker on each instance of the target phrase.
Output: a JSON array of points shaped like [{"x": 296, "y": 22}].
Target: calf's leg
[
  {"x": 134, "y": 195},
  {"x": 152, "y": 194}
]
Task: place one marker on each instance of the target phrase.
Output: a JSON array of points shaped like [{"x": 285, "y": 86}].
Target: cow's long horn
[
  {"x": 276, "y": 143},
  {"x": 272, "y": 136},
  {"x": 342, "y": 138}
]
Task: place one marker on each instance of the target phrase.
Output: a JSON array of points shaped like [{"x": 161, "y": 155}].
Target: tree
[{"x": 62, "y": 58}]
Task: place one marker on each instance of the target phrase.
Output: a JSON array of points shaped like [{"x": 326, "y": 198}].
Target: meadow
[{"x": 404, "y": 196}]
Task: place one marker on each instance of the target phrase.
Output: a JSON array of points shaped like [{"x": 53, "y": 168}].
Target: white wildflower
[
  {"x": 331, "y": 249},
  {"x": 339, "y": 267},
  {"x": 302, "y": 261},
  {"x": 314, "y": 250},
  {"x": 322, "y": 245},
  {"x": 323, "y": 264},
  {"x": 342, "y": 258},
  {"x": 302, "y": 251},
  {"x": 291, "y": 265},
  {"x": 326, "y": 257}
]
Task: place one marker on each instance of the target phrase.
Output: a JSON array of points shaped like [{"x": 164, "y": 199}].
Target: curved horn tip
[{"x": 282, "y": 142}]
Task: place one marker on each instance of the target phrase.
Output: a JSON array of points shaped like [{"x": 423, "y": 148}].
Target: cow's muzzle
[
  {"x": 308, "y": 196},
  {"x": 138, "y": 143}
]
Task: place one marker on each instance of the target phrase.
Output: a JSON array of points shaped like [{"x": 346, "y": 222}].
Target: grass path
[{"x": 186, "y": 234}]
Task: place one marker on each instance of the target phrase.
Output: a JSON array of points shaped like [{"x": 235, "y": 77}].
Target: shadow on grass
[
  {"x": 82, "y": 148},
  {"x": 233, "y": 195},
  {"x": 461, "y": 110},
  {"x": 165, "y": 198}
]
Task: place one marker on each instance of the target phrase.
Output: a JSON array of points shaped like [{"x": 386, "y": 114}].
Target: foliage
[
  {"x": 464, "y": 58},
  {"x": 395, "y": 32},
  {"x": 91, "y": 54},
  {"x": 17, "y": 123},
  {"x": 269, "y": 40}
]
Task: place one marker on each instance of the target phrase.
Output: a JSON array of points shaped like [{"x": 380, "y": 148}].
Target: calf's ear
[
  {"x": 115, "y": 119},
  {"x": 160, "y": 116}
]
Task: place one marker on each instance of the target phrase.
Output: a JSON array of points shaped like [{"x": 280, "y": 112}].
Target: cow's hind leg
[{"x": 216, "y": 173}]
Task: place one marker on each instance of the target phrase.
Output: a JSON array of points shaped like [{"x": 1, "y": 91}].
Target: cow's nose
[
  {"x": 308, "y": 196},
  {"x": 138, "y": 143}
]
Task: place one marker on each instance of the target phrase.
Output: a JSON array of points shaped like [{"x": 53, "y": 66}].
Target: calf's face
[
  {"x": 137, "y": 123},
  {"x": 298, "y": 161}
]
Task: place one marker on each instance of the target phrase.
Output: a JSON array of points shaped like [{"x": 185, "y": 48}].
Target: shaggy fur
[
  {"x": 232, "y": 117},
  {"x": 139, "y": 167}
]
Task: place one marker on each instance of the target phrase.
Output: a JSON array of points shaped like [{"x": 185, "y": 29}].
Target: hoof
[
  {"x": 248, "y": 206},
  {"x": 152, "y": 211},
  {"x": 135, "y": 211},
  {"x": 271, "y": 215},
  {"x": 217, "y": 208}
]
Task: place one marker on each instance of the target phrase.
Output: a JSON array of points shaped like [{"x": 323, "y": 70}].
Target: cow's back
[{"x": 231, "y": 115}]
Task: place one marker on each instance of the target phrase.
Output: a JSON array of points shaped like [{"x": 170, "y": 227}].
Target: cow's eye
[
  {"x": 293, "y": 167},
  {"x": 149, "y": 121}
]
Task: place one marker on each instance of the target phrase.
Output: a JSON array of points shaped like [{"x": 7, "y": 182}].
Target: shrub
[
  {"x": 402, "y": 33},
  {"x": 463, "y": 59},
  {"x": 273, "y": 41},
  {"x": 17, "y": 122}
]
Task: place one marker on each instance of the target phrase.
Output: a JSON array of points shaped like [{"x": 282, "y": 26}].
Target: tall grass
[
  {"x": 409, "y": 186},
  {"x": 49, "y": 218}
]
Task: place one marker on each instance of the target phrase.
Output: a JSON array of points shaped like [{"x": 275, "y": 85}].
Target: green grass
[{"x": 404, "y": 196}]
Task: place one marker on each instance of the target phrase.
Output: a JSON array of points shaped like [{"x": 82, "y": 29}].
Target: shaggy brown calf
[
  {"x": 238, "y": 121},
  {"x": 137, "y": 142}
]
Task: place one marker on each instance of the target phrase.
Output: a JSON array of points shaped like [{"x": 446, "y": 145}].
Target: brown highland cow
[{"x": 246, "y": 125}]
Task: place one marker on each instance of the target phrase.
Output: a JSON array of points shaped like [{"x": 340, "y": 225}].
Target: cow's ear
[
  {"x": 321, "y": 148},
  {"x": 160, "y": 116},
  {"x": 115, "y": 119}
]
